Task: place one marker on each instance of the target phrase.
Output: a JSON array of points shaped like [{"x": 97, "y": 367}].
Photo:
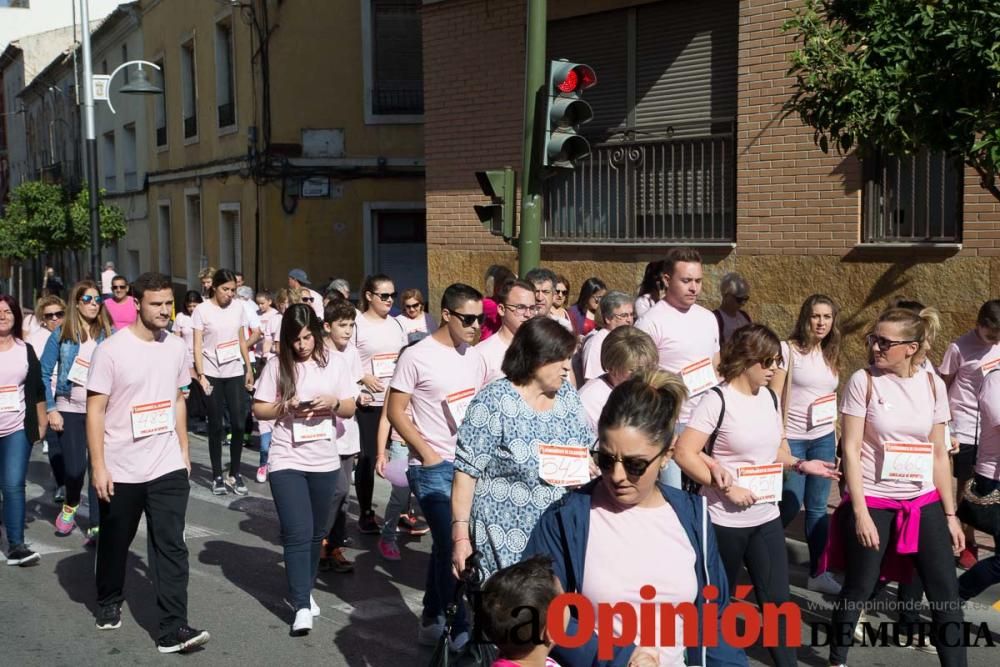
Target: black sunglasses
[
  {"x": 741, "y": 299},
  {"x": 55, "y": 316},
  {"x": 115, "y": 287},
  {"x": 564, "y": 292},
  {"x": 87, "y": 298},
  {"x": 634, "y": 466},
  {"x": 385, "y": 296},
  {"x": 411, "y": 306},
  {"x": 885, "y": 343},
  {"x": 308, "y": 299},
  {"x": 467, "y": 320},
  {"x": 767, "y": 362}
]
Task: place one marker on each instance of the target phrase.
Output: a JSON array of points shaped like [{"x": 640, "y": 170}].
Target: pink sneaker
[
  {"x": 66, "y": 521},
  {"x": 261, "y": 474},
  {"x": 389, "y": 550}
]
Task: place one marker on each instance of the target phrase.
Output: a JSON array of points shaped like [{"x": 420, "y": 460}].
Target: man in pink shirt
[
  {"x": 121, "y": 306},
  {"x": 437, "y": 379},
  {"x": 515, "y": 305},
  {"x": 299, "y": 280},
  {"x": 137, "y": 436}
]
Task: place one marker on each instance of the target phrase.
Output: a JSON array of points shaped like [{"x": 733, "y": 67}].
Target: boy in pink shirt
[{"x": 137, "y": 435}]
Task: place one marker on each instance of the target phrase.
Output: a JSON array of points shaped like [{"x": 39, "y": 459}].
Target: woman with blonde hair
[
  {"x": 71, "y": 347},
  {"x": 625, "y": 352}
]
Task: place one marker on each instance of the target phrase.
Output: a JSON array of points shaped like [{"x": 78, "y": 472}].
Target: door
[{"x": 401, "y": 247}]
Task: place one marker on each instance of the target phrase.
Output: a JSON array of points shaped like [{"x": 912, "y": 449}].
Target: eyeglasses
[
  {"x": 562, "y": 292},
  {"x": 87, "y": 298},
  {"x": 55, "y": 316},
  {"x": 521, "y": 309},
  {"x": 634, "y": 466},
  {"x": 468, "y": 319},
  {"x": 741, "y": 299},
  {"x": 308, "y": 299},
  {"x": 767, "y": 362},
  {"x": 385, "y": 296},
  {"x": 622, "y": 316},
  {"x": 412, "y": 306},
  {"x": 885, "y": 343},
  {"x": 118, "y": 287}
]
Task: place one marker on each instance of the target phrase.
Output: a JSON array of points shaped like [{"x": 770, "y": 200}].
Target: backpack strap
[
  {"x": 787, "y": 390},
  {"x": 868, "y": 393},
  {"x": 774, "y": 399},
  {"x": 710, "y": 445}
]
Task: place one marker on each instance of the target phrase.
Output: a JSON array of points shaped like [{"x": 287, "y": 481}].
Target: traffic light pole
[
  {"x": 90, "y": 141},
  {"x": 530, "y": 232}
]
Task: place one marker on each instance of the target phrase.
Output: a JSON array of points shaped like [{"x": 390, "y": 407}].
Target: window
[
  {"x": 163, "y": 238},
  {"x": 912, "y": 199},
  {"x": 230, "y": 237},
  {"x": 396, "y": 52},
  {"x": 193, "y": 234},
  {"x": 224, "y": 82},
  {"x": 108, "y": 160},
  {"x": 129, "y": 157},
  {"x": 160, "y": 108},
  {"x": 125, "y": 60},
  {"x": 189, "y": 88}
]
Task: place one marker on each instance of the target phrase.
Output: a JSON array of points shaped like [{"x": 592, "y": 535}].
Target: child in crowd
[{"x": 515, "y": 603}]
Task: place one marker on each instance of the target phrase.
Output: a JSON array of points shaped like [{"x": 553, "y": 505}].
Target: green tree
[
  {"x": 901, "y": 75},
  {"x": 113, "y": 225},
  {"x": 35, "y": 221}
]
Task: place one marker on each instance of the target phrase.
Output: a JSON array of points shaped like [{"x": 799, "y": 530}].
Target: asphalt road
[{"x": 237, "y": 586}]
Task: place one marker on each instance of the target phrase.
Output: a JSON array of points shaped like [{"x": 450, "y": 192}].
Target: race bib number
[
  {"x": 562, "y": 465},
  {"x": 458, "y": 405},
  {"x": 78, "y": 372},
  {"x": 314, "y": 428},
  {"x": 699, "y": 377},
  {"x": 908, "y": 461},
  {"x": 384, "y": 365},
  {"x": 152, "y": 418},
  {"x": 989, "y": 366},
  {"x": 823, "y": 410},
  {"x": 228, "y": 351},
  {"x": 10, "y": 399},
  {"x": 765, "y": 482}
]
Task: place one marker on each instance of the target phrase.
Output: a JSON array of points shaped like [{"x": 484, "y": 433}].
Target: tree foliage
[
  {"x": 901, "y": 75},
  {"x": 112, "y": 220}
]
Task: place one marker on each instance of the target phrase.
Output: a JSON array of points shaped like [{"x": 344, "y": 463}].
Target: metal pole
[
  {"x": 529, "y": 236},
  {"x": 90, "y": 142}
]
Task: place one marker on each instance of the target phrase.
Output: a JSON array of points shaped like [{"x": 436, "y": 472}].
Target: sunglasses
[
  {"x": 767, "y": 362},
  {"x": 634, "y": 466},
  {"x": 467, "y": 320},
  {"x": 563, "y": 292},
  {"x": 885, "y": 343},
  {"x": 741, "y": 299},
  {"x": 308, "y": 299},
  {"x": 55, "y": 316},
  {"x": 118, "y": 287},
  {"x": 412, "y": 306},
  {"x": 385, "y": 296},
  {"x": 87, "y": 298}
]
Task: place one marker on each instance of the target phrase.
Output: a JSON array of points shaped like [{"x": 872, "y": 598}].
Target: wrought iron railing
[
  {"x": 398, "y": 99},
  {"x": 659, "y": 191}
]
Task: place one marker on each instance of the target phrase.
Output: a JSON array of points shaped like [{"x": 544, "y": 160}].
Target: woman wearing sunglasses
[
  {"x": 608, "y": 538},
  {"x": 121, "y": 307},
  {"x": 899, "y": 510},
  {"x": 735, "y": 292},
  {"x": 50, "y": 312},
  {"x": 70, "y": 347},
  {"x": 584, "y": 312},
  {"x": 379, "y": 338},
  {"x": 560, "y": 297},
  {"x": 512, "y": 436},
  {"x": 739, "y": 424},
  {"x": 414, "y": 319}
]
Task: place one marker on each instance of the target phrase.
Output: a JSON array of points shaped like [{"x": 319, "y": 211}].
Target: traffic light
[
  {"x": 566, "y": 111},
  {"x": 498, "y": 216}
]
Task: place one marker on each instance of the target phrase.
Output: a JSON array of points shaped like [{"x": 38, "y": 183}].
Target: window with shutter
[{"x": 397, "y": 58}]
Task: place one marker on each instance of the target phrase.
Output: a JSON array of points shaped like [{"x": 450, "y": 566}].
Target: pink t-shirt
[
  {"x": 422, "y": 324},
  {"x": 379, "y": 340},
  {"x": 988, "y": 456},
  {"x": 77, "y": 401},
  {"x": 270, "y": 329},
  {"x": 136, "y": 373},
  {"x": 311, "y": 380},
  {"x": 348, "y": 435},
  {"x": 642, "y": 305},
  {"x": 220, "y": 327},
  {"x": 13, "y": 373},
  {"x": 682, "y": 338},
  {"x": 122, "y": 314},
  {"x": 436, "y": 377},
  {"x": 493, "y": 350},
  {"x": 965, "y": 359},
  {"x": 504, "y": 662},
  {"x": 812, "y": 379},
  {"x": 183, "y": 328},
  {"x": 590, "y": 353},
  {"x": 750, "y": 435},
  {"x": 594, "y": 395},
  {"x": 901, "y": 410},
  {"x": 625, "y": 551}
]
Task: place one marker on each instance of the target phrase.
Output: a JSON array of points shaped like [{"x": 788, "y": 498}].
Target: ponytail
[
  {"x": 921, "y": 326},
  {"x": 649, "y": 401}
]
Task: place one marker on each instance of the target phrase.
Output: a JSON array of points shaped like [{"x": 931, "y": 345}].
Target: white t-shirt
[
  {"x": 422, "y": 324},
  {"x": 311, "y": 380},
  {"x": 107, "y": 277},
  {"x": 348, "y": 435},
  {"x": 493, "y": 350},
  {"x": 684, "y": 339},
  {"x": 988, "y": 456},
  {"x": 642, "y": 305},
  {"x": 377, "y": 343},
  {"x": 220, "y": 327},
  {"x": 594, "y": 396},
  {"x": 590, "y": 353},
  {"x": 183, "y": 328},
  {"x": 270, "y": 329},
  {"x": 565, "y": 321},
  {"x": 901, "y": 410},
  {"x": 441, "y": 382},
  {"x": 317, "y": 303},
  {"x": 968, "y": 358},
  {"x": 812, "y": 380},
  {"x": 137, "y": 375}
]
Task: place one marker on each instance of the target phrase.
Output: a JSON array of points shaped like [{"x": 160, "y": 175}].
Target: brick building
[{"x": 690, "y": 147}]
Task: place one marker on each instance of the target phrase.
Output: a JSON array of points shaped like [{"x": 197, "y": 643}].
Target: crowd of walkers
[{"x": 632, "y": 449}]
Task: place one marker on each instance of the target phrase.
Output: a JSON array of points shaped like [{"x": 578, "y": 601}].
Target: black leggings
[
  {"x": 228, "y": 395},
  {"x": 364, "y": 473},
  {"x": 762, "y": 549},
  {"x": 935, "y": 564}
]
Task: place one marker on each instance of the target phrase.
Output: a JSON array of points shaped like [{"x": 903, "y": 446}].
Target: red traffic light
[{"x": 574, "y": 79}]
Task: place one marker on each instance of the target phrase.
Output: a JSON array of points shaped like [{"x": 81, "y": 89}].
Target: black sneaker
[
  {"x": 21, "y": 555},
  {"x": 59, "y": 495},
  {"x": 109, "y": 617},
  {"x": 185, "y": 639},
  {"x": 367, "y": 525},
  {"x": 238, "y": 486},
  {"x": 219, "y": 486}
]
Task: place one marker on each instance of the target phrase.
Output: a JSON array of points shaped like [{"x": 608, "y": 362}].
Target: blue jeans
[
  {"x": 265, "y": 447},
  {"x": 398, "y": 497},
  {"x": 303, "y": 500},
  {"x": 432, "y": 487},
  {"x": 15, "y": 450},
  {"x": 812, "y": 491}
]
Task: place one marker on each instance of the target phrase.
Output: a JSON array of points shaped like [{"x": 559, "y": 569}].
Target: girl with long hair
[{"x": 583, "y": 314}]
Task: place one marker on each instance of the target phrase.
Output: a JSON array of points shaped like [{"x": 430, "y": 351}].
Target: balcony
[{"x": 398, "y": 98}]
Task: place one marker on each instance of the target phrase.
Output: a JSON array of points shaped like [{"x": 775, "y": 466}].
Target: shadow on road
[{"x": 254, "y": 570}]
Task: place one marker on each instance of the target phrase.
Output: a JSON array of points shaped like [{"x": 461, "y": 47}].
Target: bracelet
[
  {"x": 952, "y": 514},
  {"x": 798, "y": 466},
  {"x": 459, "y": 521},
  {"x": 461, "y": 539}
]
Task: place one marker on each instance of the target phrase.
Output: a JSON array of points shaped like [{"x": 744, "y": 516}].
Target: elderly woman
[
  {"x": 735, "y": 292},
  {"x": 608, "y": 539},
  {"x": 626, "y": 351},
  {"x": 523, "y": 441}
]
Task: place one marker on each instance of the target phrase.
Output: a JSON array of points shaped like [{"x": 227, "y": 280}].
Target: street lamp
[{"x": 99, "y": 87}]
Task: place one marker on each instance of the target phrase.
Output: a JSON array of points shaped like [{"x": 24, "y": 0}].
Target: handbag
[
  {"x": 981, "y": 512},
  {"x": 475, "y": 653}
]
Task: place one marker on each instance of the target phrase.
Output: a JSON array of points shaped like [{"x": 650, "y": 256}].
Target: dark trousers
[
  {"x": 56, "y": 461},
  {"x": 303, "y": 502},
  {"x": 197, "y": 410},
  {"x": 935, "y": 564},
  {"x": 76, "y": 461},
  {"x": 762, "y": 549},
  {"x": 341, "y": 489},
  {"x": 228, "y": 396},
  {"x": 164, "y": 502},
  {"x": 986, "y": 572},
  {"x": 364, "y": 474}
]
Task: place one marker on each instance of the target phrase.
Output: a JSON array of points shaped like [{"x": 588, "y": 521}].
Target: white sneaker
[
  {"x": 45, "y": 447},
  {"x": 262, "y": 474},
  {"x": 825, "y": 583},
  {"x": 313, "y": 607},
  {"x": 859, "y": 630},
  {"x": 303, "y": 623},
  {"x": 428, "y": 635}
]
